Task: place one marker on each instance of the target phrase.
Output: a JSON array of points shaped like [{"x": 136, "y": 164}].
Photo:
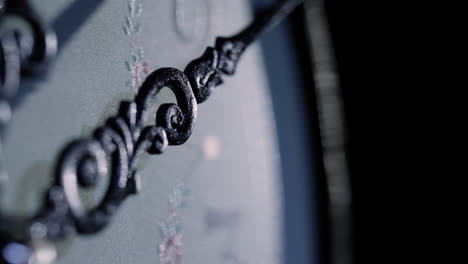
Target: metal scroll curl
[
  {"x": 113, "y": 150},
  {"x": 21, "y": 52},
  {"x": 121, "y": 140}
]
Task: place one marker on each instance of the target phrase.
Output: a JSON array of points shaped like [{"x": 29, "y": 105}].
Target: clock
[
  {"x": 231, "y": 184},
  {"x": 218, "y": 198}
]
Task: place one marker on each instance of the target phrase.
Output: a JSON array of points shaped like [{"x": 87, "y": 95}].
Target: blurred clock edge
[
  {"x": 312, "y": 65},
  {"x": 359, "y": 125}
]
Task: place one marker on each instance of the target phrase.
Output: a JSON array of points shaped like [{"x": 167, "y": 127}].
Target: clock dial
[{"x": 215, "y": 199}]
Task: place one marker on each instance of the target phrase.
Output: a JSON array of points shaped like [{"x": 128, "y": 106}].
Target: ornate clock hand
[
  {"x": 205, "y": 72},
  {"x": 19, "y": 55},
  {"x": 126, "y": 136},
  {"x": 46, "y": 44}
]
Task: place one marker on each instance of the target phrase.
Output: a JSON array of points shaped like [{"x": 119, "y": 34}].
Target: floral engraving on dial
[
  {"x": 137, "y": 66},
  {"x": 171, "y": 229}
]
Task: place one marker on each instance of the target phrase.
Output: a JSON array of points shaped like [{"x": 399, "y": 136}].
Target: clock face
[{"x": 216, "y": 198}]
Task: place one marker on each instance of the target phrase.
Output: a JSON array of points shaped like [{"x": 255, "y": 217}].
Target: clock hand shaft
[
  {"x": 266, "y": 20},
  {"x": 206, "y": 72}
]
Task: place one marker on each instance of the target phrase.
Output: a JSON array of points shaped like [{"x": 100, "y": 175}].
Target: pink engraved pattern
[
  {"x": 171, "y": 248},
  {"x": 171, "y": 228},
  {"x": 137, "y": 65}
]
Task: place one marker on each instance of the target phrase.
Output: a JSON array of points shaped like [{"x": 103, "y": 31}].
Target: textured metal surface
[{"x": 125, "y": 136}]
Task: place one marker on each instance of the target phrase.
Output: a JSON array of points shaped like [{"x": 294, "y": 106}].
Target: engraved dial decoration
[{"x": 216, "y": 198}]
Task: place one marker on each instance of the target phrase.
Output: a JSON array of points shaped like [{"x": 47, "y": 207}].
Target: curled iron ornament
[
  {"x": 20, "y": 55},
  {"x": 126, "y": 136}
]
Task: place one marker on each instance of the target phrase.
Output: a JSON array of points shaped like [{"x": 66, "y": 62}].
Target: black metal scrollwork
[
  {"x": 122, "y": 140},
  {"x": 114, "y": 149},
  {"x": 21, "y": 53}
]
